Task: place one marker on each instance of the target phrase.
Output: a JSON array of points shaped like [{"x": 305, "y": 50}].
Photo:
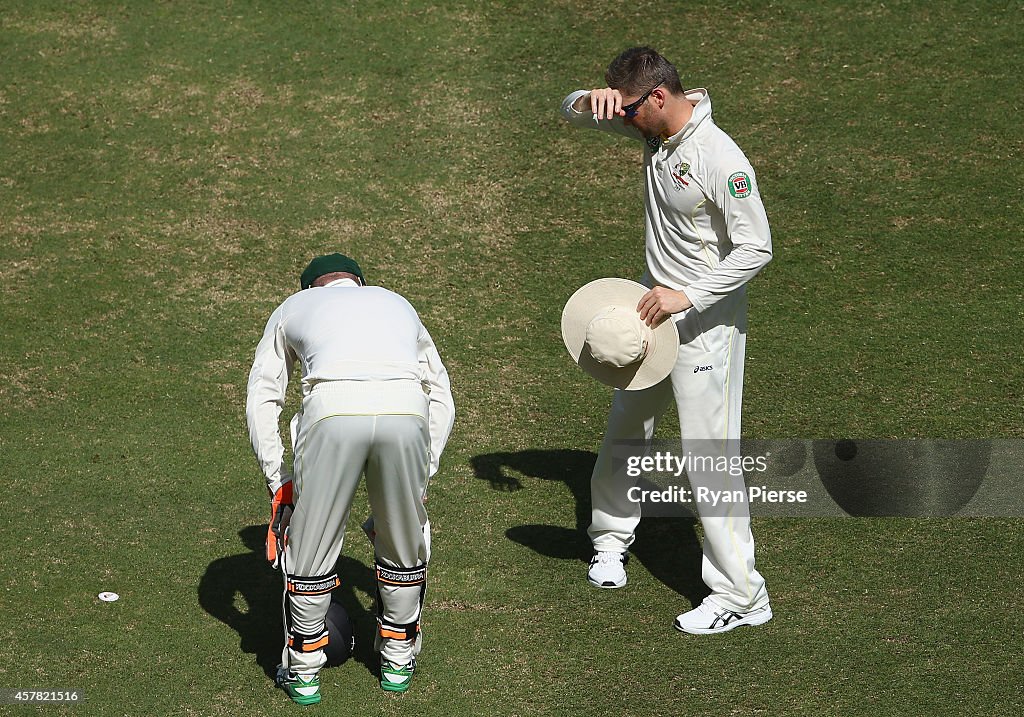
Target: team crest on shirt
[
  {"x": 679, "y": 173},
  {"x": 739, "y": 185}
]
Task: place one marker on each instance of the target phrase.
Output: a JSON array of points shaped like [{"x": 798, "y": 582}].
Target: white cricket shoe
[
  {"x": 608, "y": 570},
  {"x": 709, "y": 619}
]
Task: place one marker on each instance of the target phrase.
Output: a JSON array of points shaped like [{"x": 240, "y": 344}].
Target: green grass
[{"x": 166, "y": 170}]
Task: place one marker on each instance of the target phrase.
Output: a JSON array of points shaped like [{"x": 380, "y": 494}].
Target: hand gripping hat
[
  {"x": 606, "y": 337},
  {"x": 329, "y": 264}
]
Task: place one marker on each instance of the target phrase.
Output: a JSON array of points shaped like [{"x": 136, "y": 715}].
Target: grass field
[{"x": 167, "y": 169}]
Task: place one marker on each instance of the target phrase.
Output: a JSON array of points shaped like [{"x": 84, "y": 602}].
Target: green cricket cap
[{"x": 329, "y": 264}]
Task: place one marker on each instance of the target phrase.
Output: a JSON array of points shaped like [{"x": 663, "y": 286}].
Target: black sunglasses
[{"x": 633, "y": 107}]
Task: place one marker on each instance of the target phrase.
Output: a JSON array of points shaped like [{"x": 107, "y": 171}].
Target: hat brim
[{"x": 586, "y": 303}]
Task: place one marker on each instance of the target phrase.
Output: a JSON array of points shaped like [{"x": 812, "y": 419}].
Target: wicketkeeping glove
[{"x": 281, "y": 506}]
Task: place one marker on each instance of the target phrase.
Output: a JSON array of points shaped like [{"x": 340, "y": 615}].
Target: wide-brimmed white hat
[{"x": 605, "y": 336}]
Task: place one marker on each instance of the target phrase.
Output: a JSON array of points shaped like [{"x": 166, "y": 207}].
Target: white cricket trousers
[
  {"x": 346, "y": 429},
  {"x": 707, "y": 383}
]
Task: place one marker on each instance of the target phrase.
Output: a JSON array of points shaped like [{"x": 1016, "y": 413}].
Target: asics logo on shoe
[{"x": 723, "y": 618}]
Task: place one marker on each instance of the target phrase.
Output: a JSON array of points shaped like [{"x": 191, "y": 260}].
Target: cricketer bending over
[
  {"x": 706, "y": 235},
  {"x": 376, "y": 399}
]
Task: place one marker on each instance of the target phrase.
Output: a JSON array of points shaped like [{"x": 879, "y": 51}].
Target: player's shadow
[
  {"x": 244, "y": 592},
  {"x": 667, "y": 546}
]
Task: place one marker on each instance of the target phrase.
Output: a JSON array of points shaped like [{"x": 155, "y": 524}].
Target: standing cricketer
[
  {"x": 706, "y": 236},
  {"x": 376, "y": 400}
]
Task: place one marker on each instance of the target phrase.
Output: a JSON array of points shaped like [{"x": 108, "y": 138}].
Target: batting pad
[{"x": 400, "y": 594}]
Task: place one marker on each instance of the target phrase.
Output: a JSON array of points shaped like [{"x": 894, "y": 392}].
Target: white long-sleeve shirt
[
  {"x": 706, "y": 229},
  {"x": 342, "y": 332}
]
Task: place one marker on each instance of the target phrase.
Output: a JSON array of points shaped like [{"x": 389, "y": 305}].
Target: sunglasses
[{"x": 633, "y": 107}]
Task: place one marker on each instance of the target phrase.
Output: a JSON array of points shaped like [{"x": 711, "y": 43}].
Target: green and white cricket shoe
[
  {"x": 395, "y": 678},
  {"x": 302, "y": 691}
]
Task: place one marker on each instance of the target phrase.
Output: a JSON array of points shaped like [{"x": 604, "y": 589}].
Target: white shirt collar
[
  {"x": 701, "y": 111},
  {"x": 342, "y": 282}
]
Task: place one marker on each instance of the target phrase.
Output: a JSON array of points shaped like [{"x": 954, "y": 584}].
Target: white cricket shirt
[
  {"x": 342, "y": 332},
  {"x": 706, "y": 230}
]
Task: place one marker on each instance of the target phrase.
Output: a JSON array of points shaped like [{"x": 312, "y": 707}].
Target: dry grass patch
[
  {"x": 83, "y": 26},
  {"x": 31, "y": 387}
]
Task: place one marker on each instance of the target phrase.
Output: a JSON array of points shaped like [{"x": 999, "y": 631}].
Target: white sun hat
[{"x": 606, "y": 337}]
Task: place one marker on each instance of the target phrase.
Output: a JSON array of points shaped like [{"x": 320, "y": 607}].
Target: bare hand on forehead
[{"x": 605, "y": 103}]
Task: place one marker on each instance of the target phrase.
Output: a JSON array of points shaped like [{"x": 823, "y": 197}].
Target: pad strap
[
  {"x": 407, "y": 631},
  {"x": 402, "y": 577},
  {"x": 308, "y": 643},
  {"x": 315, "y": 585}
]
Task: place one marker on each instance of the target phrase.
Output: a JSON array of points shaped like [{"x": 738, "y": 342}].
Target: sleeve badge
[{"x": 739, "y": 185}]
